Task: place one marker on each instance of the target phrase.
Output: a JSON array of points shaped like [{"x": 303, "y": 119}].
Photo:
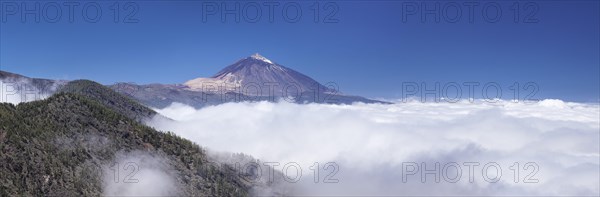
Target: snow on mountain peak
[{"x": 261, "y": 58}]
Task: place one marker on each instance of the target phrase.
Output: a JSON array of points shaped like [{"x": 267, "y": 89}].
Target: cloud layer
[{"x": 554, "y": 143}]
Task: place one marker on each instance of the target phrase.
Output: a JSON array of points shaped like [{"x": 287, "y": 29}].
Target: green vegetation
[
  {"x": 50, "y": 147},
  {"x": 109, "y": 98}
]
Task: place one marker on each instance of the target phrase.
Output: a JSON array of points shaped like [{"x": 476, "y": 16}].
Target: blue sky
[{"x": 370, "y": 51}]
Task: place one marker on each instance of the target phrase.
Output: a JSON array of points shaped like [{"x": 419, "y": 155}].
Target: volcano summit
[{"x": 258, "y": 76}]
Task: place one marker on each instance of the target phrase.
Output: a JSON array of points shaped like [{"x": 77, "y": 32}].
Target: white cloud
[
  {"x": 138, "y": 173},
  {"x": 370, "y": 142}
]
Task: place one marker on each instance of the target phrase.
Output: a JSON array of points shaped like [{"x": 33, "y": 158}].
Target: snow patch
[{"x": 261, "y": 58}]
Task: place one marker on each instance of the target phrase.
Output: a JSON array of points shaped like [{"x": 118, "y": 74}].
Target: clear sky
[{"x": 368, "y": 48}]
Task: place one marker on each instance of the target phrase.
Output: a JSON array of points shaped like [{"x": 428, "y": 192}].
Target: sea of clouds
[{"x": 373, "y": 149}]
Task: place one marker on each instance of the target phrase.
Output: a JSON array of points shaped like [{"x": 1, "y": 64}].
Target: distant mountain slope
[
  {"x": 18, "y": 88},
  {"x": 111, "y": 99},
  {"x": 51, "y": 147},
  {"x": 161, "y": 96},
  {"x": 12, "y": 77},
  {"x": 253, "y": 78}
]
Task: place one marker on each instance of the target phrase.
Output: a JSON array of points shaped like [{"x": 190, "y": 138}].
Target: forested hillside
[{"x": 56, "y": 146}]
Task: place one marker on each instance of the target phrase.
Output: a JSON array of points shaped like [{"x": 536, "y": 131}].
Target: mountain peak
[
  {"x": 257, "y": 69},
  {"x": 257, "y": 56}
]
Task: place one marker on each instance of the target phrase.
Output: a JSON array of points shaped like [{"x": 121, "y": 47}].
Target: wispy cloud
[{"x": 138, "y": 173}]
